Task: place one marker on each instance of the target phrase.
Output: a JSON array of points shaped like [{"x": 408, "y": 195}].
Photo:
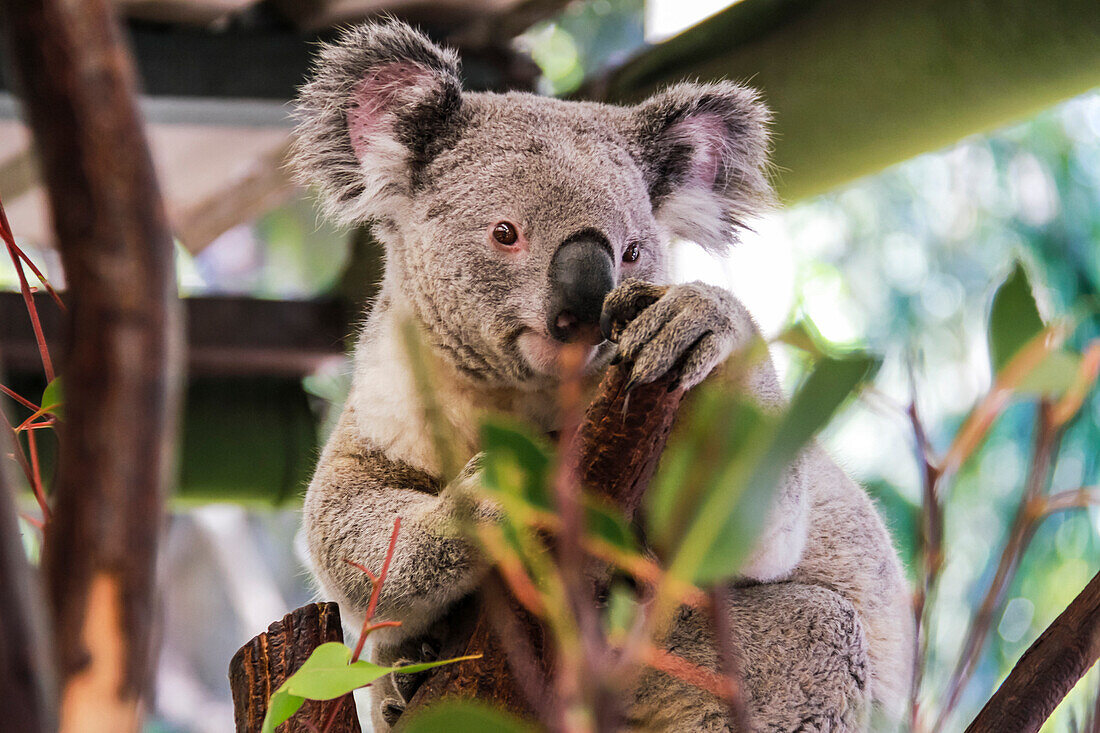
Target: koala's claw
[
  {"x": 624, "y": 304},
  {"x": 392, "y": 709},
  {"x": 687, "y": 330}
]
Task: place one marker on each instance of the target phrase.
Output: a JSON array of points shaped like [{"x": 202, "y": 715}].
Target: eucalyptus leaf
[
  {"x": 621, "y": 609},
  {"x": 516, "y": 463},
  {"x": 53, "y": 398},
  {"x": 329, "y": 673},
  {"x": 711, "y": 432},
  {"x": 465, "y": 716},
  {"x": 605, "y": 522},
  {"x": 803, "y": 336},
  {"x": 1013, "y": 319},
  {"x": 761, "y": 447},
  {"x": 280, "y": 708},
  {"x": 1053, "y": 375}
]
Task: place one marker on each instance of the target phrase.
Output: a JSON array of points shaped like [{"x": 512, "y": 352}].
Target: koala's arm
[
  {"x": 694, "y": 329},
  {"x": 350, "y": 508}
]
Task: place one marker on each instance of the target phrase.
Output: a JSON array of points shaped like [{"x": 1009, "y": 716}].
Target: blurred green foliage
[{"x": 916, "y": 251}]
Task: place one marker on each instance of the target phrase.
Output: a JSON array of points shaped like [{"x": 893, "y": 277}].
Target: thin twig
[
  {"x": 18, "y": 398},
  {"x": 680, "y": 668},
  {"x": 332, "y": 715},
  {"x": 1081, "y": 498},
  {"x": 729, "y": 659},
  {"x": 577, "y": 671},
  {"x": 982, "y": 417},
  {"x": 929, "y": 550},
  {"x": 376, "y": 590},
  {"x": 1028, "y": 514},
  {"x": 9, "y": 239}
]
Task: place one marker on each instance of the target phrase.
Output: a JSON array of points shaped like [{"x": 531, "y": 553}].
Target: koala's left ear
[{"x": 703, "y": 149}]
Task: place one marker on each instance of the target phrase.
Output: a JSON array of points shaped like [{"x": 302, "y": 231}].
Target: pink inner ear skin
[
  {"x": 707, "y": 135},
  {"x": 374, "y": 99}
]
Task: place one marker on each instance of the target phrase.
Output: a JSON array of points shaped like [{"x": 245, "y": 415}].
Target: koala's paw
[
  {"x": 688, "y": 329},
  {"x": 404, "y": 686}
]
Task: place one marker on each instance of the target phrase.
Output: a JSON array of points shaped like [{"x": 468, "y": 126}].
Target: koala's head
[{"x": 508, "y": 217}]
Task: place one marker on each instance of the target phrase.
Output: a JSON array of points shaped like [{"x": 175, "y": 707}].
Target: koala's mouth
[{"x": 540, "y": 351}]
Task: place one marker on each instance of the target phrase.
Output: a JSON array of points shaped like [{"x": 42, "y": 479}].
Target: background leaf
[
  {"x": 1053, "y": 376},
  {"x": 53, "y": 398},
  {"x": 1014, "y": 318},
  {"x": 466, "y": 716},
  {"x": 516, "y": 463},
  {"x": 726, "y": 522}
]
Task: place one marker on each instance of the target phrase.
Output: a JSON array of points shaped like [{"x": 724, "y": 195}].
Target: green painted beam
[{"x": 857, "y": 85}]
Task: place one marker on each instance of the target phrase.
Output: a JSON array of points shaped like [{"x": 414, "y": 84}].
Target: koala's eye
[
  {"x": 506, "y": 233},
  {"x": 632, "y": 252}
]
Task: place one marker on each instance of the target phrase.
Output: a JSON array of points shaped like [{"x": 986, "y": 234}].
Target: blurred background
[{"x": 915, "y": 171}]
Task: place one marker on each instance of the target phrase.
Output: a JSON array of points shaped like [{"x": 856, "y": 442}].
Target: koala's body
[{"x": 511, "y": 224}]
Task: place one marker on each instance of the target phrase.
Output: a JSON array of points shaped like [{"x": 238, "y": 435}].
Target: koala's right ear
[{"x": 383, "y": 101}]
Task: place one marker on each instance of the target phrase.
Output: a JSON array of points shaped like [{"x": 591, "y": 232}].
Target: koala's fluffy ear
[
  {"x": 383, "y": 101},
  {"x": 703, "y": 149}
]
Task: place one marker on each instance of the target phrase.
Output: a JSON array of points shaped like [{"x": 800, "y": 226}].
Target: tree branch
[
  {"x": 122, "y": 369},
  {"x": 619, "y": 444},
  {"x": 1047, "y": 670}
]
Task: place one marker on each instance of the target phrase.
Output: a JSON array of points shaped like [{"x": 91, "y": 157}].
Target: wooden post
[
  {"x": 619, "y": 451},
  {"x": 121, "y": 373},
  {"x": 1047, "y": 670},
  {"x": 264, "y": 663}
]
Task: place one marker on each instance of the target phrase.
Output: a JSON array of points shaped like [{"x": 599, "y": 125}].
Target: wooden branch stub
[
  {"x": 1047, "y": 670},
  {"x": 264, "y": 663},
  {"x": 621, "y": 440}
]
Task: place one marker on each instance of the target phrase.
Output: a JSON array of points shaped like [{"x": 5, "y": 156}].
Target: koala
[{"x": 513, "y": 224}]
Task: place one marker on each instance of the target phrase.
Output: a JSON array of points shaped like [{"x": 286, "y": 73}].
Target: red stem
[
  {"x": 9, "y": 239},
  {"x": 332, "y": 715},
  {"x": 376, "y": 590},
  {"x": 19, "y": 398},
  {"x": 36, "y": 471},
  {"x": 32, "y": 311}
]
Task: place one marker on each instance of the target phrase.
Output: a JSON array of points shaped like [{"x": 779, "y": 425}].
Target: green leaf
[
  {"x": 282, "y": 706},
  {"x": 604, "y": 521},
  {"x": 329, "y": 673},
  {"x": 804, "y": 336},
  {"x": 1014, "y": 318},
  {"x": 53, "y": 398},
  {"x": 723, "y": 530},
  {"x": 713, "y": 431},
  {"x": 516, "y": 463},
  {"x": 1053, "y": 375},
  {"x": 466, "y": 716},
  {"x": 621, "y": 609}
]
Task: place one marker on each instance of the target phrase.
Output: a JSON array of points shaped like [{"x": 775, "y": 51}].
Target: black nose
[{"x": 582, "y": 273}]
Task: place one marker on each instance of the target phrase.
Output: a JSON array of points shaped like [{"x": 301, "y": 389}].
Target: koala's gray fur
[{"x": 387, "y": 135}]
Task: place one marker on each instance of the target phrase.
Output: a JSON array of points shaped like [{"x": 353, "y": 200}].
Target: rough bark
[
  {"x": 621, "y": 442},
  {"x": 26, "y": 656},
  {"x": 1048, "y": 669},
  {"x": 264, "y": 663},
  {"x": 121, "y": 371}
]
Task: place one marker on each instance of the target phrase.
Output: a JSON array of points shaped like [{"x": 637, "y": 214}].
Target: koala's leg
[
  {"x": 803, "y": 661},
  {"x": 350, "y": 508}
]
